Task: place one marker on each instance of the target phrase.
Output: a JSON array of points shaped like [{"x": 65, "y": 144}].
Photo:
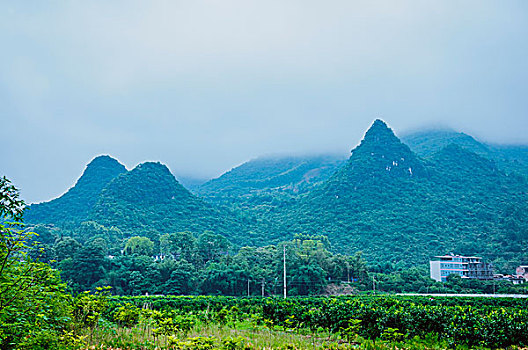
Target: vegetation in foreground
[
  {"x": 246, "y": 335},
  {"x": 100, "y": 322},
  {"x": 37, "y": 312}
]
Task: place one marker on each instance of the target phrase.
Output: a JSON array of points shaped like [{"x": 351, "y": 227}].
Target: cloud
[{"x": 205, "y": 85}]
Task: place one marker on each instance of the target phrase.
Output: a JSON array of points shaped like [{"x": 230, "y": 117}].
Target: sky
[{"x": 203, "y": 86}]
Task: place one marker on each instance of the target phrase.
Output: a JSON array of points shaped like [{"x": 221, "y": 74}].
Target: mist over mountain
[
  {"x": 272, "y": 176},
  {"x": 395, "y": 204},
  {"x": 509, "y": 157},
  {"x": 76, "y": 204},
  {"x": 397, "y": 207}
]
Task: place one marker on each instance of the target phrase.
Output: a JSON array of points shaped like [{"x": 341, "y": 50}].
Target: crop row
[
  {"x": 470, "y": 321},
  {"x": 460, "y": 324}
]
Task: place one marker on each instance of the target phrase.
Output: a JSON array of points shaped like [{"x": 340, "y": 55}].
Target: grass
[{"x": 244, "y": 335}]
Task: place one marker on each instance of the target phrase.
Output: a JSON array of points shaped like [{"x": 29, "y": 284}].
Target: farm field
[{"x": 363, "y": 322}]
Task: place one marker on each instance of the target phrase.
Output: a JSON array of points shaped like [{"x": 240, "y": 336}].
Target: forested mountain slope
[
  {"x": 149, "y": 200},
  {"x": 428, "y": 142},
  {"x": 385, "y": 200},
  {"x": 145, "y": 201},
  {"x": 398, "y": 208},
  {"x": 75, "y": 205},
  {"x": 275, "y": 176},
  {"x": 509, "y": 158}
]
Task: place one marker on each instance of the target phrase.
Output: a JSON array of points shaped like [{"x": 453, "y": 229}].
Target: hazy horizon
[
  {"x": 185, "y": 177},
  {"x": 205, "y": 86}
]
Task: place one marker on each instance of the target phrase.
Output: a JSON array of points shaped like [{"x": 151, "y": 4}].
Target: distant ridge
[
  {"x": 428, "y": 142},
  {"x": 396, "y": 206},
  {"x": 510, "y": 158},
  {"x": 272, "y": 175},
  {"x": 76, "y": 204}
]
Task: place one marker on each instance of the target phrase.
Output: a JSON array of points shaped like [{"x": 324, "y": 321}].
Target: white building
[{"x": 463, "y": 266}]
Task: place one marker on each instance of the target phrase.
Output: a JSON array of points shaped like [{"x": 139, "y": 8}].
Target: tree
[
  {"x": 46, "y": 234},
  {"x": 211, "y": 246},
  {"x": 183, "y": 246},
  {"x": 13, "y": 248},
  {"x": 307, "y": 279},
  {"x": 182, "y": 279},
  {"x": 220, "y": 279},
  {"x": 90, "y": 230},
  {"x": 66, "y": 248},
  {"x": 139, "y": 245},
  {"x": 33, "y": 304},
  {"x": 88, "y": 266}
]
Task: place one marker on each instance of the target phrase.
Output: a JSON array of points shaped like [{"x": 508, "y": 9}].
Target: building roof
[{"x": 458, "y": 256}]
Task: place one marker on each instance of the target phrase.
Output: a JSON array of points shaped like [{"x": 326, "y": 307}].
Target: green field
[{"x": 366, "y": 322}]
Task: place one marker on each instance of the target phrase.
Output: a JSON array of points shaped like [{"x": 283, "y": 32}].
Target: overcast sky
[{"x": 203, "y": 86}]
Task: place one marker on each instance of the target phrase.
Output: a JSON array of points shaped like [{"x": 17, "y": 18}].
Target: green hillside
[
  {"x": 510, "y": 158},
  {"x": 428, "y": 142},
  {"x": 76, "y": 205},
  {"x": 145, "y": 201},
  {"x": 397, "y": 206},
  {"x": 513, "y": 158},
  {"x": 275, "y": 176},
  {"x": 149, "y": 200},
  {"x": 400, "y": 209}
]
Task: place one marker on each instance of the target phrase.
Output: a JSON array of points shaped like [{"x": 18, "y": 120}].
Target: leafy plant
[{"x": 127, "y": 315}]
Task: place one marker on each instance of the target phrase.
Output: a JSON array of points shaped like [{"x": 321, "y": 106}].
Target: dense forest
[
  {"x": 39, "y": 311},
  {"x": 391, "y": 205},
  {"x": 397, "y": 207}
]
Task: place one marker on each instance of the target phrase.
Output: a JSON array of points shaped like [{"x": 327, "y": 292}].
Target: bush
[{"x": 127, "y": 315}]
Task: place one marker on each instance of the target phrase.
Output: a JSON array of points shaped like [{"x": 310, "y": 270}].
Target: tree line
[{"x": 185, "y": 263}]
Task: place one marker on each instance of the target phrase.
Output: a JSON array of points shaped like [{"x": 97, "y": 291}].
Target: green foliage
[
  {"x": 88, "y": 231},
  {"x": 139, "y": 245},
  {"x": 86, "y": 268},
  {"x": 198, "y": 343},
  {"x": 66, "y": 248},
  {"x": 421, "y": 321},
  {"x": 183, "y": 279},
  {"x": 394, "y": 319},
  {"x": 212, "y": 269},
  {"x": 211, "y": 246},
  {"x": 127, "y": 315},
  {"x": 264, "y": 179},
  {"x": 34, "y": 308},
  {"x": 11, "y": 206},
  {"x": 89, "y": 307},
  {"x": 149, "y": 200},
  {"x": 386, "y": 202},
  {"x": 350, "y": 330},
  {"x": 221, "y": 316},
  {"x": 509, "y": 158},
  {"x": 170, "y": 323},
  {"x": 392, "y": 335},
  {"x": 396, "y": 207},
  {"x": 33, "y": 305},
  {"x": 233, "y": 343}
]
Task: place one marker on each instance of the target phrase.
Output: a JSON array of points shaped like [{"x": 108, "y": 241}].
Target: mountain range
[
  {"x": 397, "y": 201},
  {"x": 146, "y": 201},
  {"x": 390, "y": 203}
]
